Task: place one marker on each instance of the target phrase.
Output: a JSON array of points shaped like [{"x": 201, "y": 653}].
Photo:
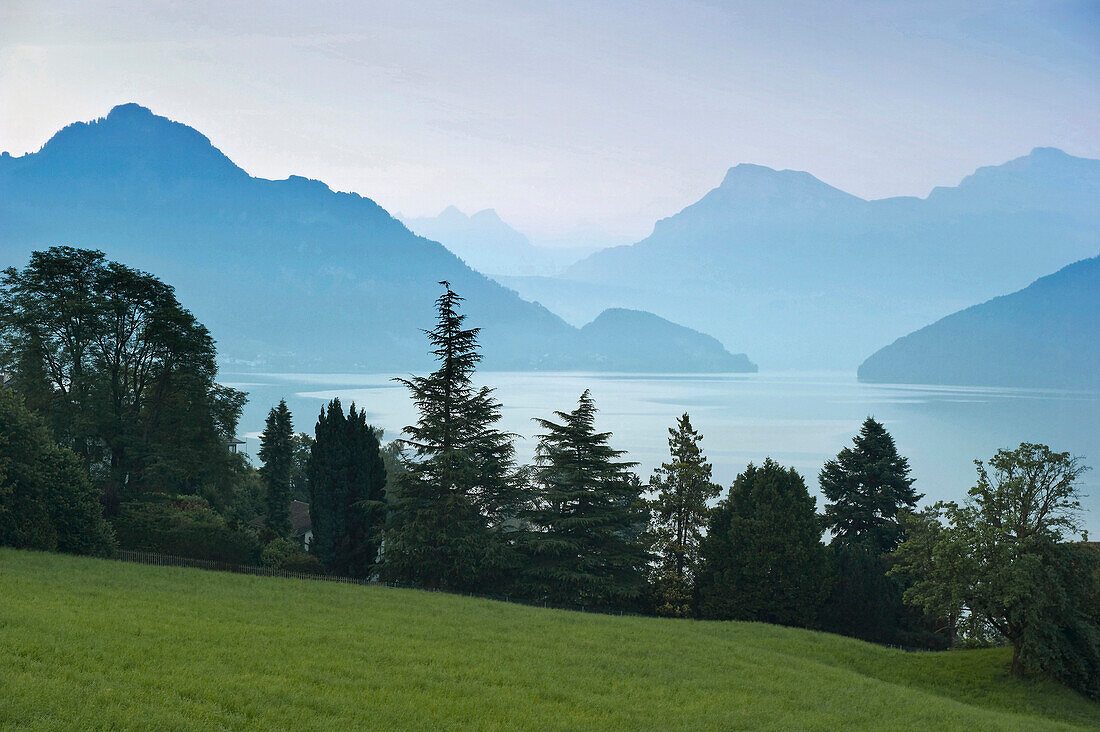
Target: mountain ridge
[
  {"x": 286, "y": 273},
  {"x": 1044, "y": 335},
  {"x": 803, "y": 275}
]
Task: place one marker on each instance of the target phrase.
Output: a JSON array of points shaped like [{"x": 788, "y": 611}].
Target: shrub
[
  {"x": 184, "y": 526},
  {"x": 288, "y": 554},
  {"x": 46, "y": 500}
]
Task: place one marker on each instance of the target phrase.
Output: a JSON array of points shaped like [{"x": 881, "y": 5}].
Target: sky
[{"x": 572, "y": 119}]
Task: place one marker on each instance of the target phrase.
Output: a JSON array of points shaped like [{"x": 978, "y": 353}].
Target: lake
[{"x": 799, "y": 419}]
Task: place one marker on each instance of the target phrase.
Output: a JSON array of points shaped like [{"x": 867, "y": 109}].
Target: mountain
[
  {"x": 1045, "y": 335},
  {"x": 489, "y": 245},
  {"x": 804, "y": 275},
  {"x": 644, "y": 342},
  {"x": 287, "y": 274}
]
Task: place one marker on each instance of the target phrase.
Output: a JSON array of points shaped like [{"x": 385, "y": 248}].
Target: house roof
[
  {"x": 300, "y": 522},
  {"x": 299, "y": 517}
]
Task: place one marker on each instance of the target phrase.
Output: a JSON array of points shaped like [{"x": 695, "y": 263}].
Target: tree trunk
[{"x": 1017, "y": 667}]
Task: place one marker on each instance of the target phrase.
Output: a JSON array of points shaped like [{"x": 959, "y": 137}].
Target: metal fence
[{"x": 167, "y": 560}]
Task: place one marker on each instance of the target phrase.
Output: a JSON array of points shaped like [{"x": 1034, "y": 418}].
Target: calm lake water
[{"x": 797, "y": 419}]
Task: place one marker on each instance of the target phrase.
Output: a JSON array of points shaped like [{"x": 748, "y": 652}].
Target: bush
[
  {"x": 46, "y": 500},
  {"x": 288, "y": 555},
  {"x": 184, "y": 526}
]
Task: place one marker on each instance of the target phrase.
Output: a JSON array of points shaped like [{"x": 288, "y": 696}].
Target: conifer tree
[
  {"x": 683, "y": 487},
  {"x": 276, "y": 452},
  {"x": 453, "y": 500},
  {"x": 586, "y": 543},
  {"x": 762, "y": 557},
  {"x": 867, "y": 486},
  {"x": 347, "y": 482}
]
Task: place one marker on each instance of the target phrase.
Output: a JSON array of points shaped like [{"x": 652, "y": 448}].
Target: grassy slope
[{"x": 89, "y": 643}]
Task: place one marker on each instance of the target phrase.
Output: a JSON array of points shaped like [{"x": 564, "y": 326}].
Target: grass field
[{"x": 93, "y": 644}]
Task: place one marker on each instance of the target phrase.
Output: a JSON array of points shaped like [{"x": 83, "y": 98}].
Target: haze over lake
[{"x": 800, "y": 419}]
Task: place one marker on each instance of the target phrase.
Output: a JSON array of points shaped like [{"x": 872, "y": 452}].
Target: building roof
[
  {"x": 299, "y": 517},
  {"x": 300, "y": 522}
]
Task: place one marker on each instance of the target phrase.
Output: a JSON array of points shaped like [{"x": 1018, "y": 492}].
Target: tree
[
  {"x": 762, "y": 556},
  {"x": 867, "y": 486},
  {"x": 1005, "y": 558},
  {"x": 679, "y": 510},
  {"x": 300, "y": 446},
  {"x": 458, "y": 491},
  {"x": 46, "y": 501},
  {"x": 121, "y": 372},
  {"x": 276, "y": 452},
  {"x": 586, "y": 542},
  {"x": 347, "y": 483}
]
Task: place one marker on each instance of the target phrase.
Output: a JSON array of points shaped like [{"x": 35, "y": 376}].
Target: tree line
[{"x": 114, "y": 433}]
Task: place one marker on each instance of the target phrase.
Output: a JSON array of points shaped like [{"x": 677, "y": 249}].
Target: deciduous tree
[{"x": 1006, "y": 557}]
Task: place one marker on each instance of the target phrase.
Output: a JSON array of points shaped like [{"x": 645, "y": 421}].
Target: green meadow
[{"x": 96, "y": 644}]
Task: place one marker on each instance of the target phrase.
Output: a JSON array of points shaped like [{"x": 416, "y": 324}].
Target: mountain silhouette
[
  {"x": 804, "y": 275},
  {"x": 1045, "y": 335},
  {"x": 287, "y": 274},
  {"x": 488, "y": 244}
]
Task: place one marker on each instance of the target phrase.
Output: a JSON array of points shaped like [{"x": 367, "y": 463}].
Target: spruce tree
[
  {"x": 683, "y": 487},
  {"x": 586, "y": 539},
  {"x": 762, "y": 557},
  {"x": 347, "y": 482},
  {"x": 454, "y": 499},
  {"x": 276, "y": 452},
  {"x": 867, "y": 487}
]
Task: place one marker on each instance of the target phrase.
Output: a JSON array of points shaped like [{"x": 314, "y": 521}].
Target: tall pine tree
[
  {"x": 762, "y": 557},
  {"x": 276, "y": 452},
  {"x": 453, "y": 502},
  {"x": 867, "y": 486},
  {"x": 347, "y": 483},
  {"x": 586, "y": 538},
  {"x": 683, "y": 487}
]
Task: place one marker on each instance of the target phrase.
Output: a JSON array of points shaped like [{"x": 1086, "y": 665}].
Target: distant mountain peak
[
  {"x": 132, "y": 110},
  {"x": 452, "y": 212},
  {"x": 487, "y": 214},
  {"x": 1046, "y": 177},
  {"x": 132, "y": 136},
  {"x": 754, "y": 183}
]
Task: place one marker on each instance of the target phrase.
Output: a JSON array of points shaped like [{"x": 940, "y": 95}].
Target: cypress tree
[
  {"x": 347, "y": 481},
  {"x": 586, "y": 542},
  {"x": 867, "y": 486},
  {"x": 276, "y": 452},
  {"x": 683, "y": 487},
  {"x": 762, "y": 557},
  {"x": 453, "y": 502}
]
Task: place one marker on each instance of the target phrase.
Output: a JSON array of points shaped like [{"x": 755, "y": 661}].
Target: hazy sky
[{"x": 570, "y": 115}]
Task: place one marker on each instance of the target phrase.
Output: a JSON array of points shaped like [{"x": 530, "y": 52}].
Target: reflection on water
[{"x": 798, "y": 419}]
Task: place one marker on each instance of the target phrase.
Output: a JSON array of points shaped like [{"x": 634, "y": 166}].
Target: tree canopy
[
  {"x": 763, "y": 554},
  {"x": 586, "y": 543},
  {"x": 679, "y": 509},
  {"x": 121, "y": 372},
  {"x": 277, "y": 454},
  {"x": 1006, "y": 561},
  {"x": 347, "y": 483},
  {"x": 46, "y": 501},
  {"x": 459, "y": 487}
]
